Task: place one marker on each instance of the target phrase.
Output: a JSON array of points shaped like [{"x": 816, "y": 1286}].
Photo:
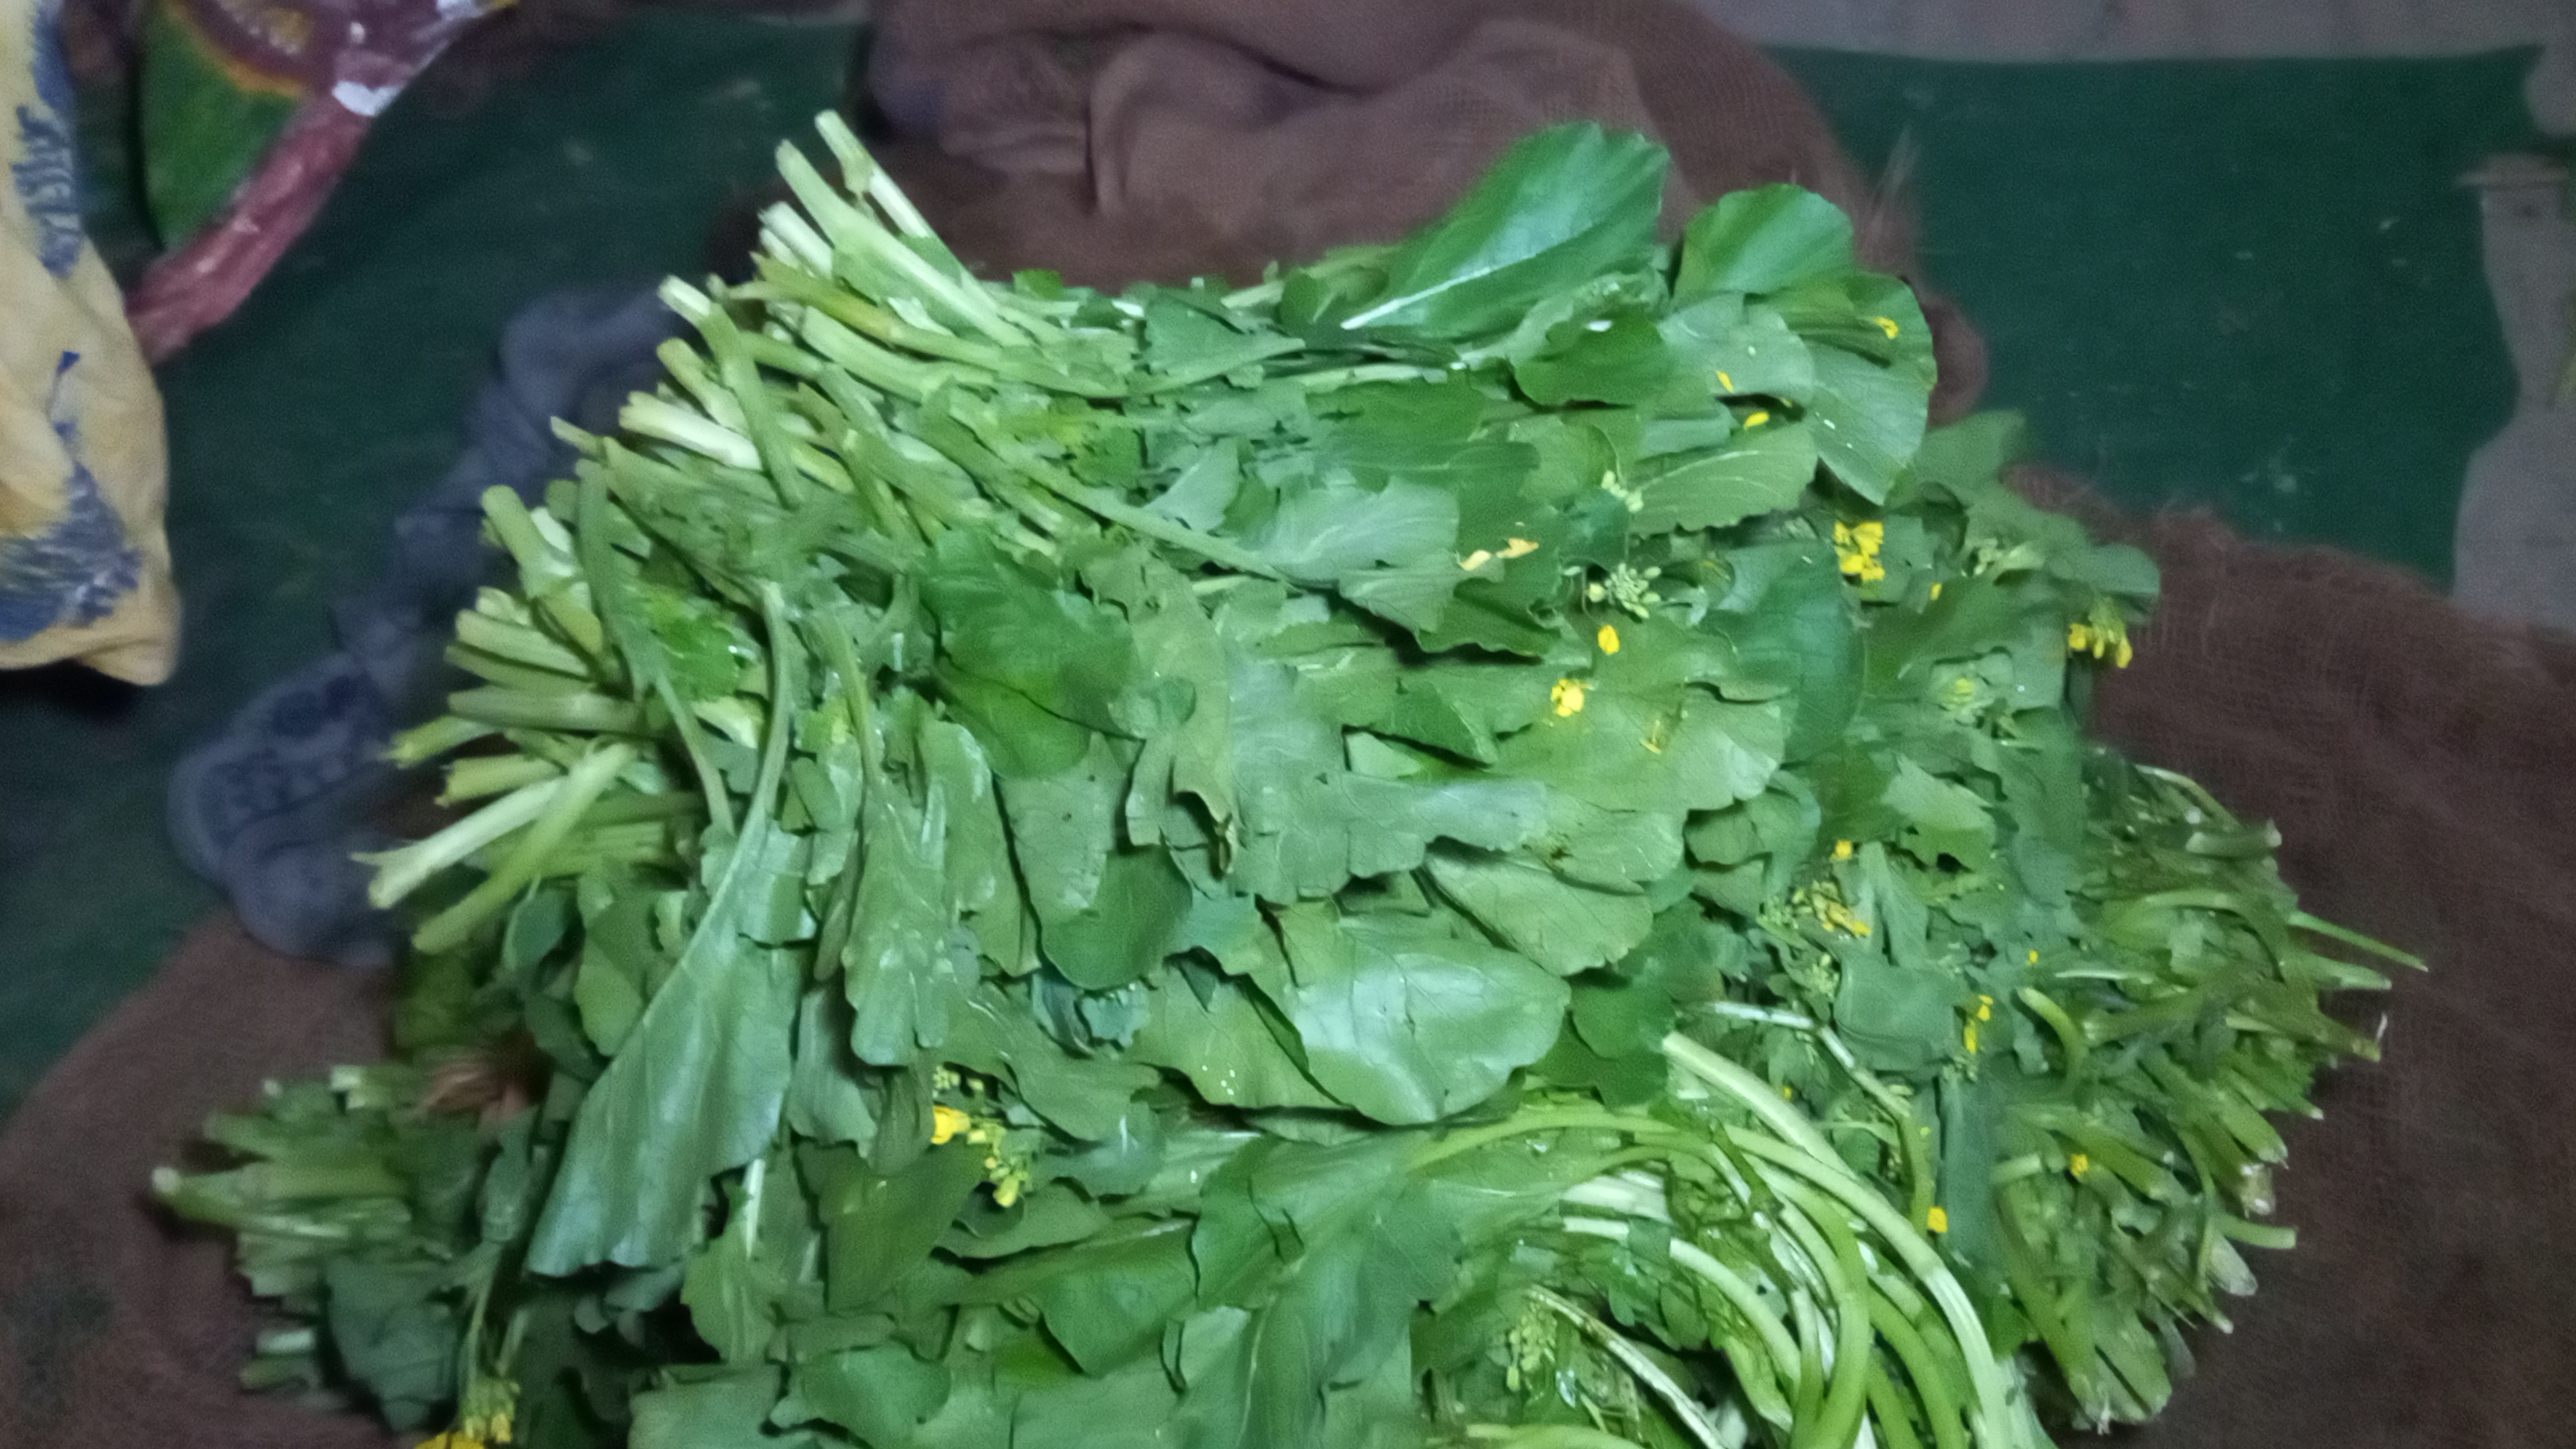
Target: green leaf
[
  {"x": 723, "y": 1413},
  {"x": 1086, "y": 1097},
  {"x": 1002, "y": 624},
  {"x": 1200, "y": 495},
  {"x": 703, "y": 1076},
  {"x": 1047, "y": 1217},
  {"x": 983, "y": 887},
  {"x": 826, "y": 1094},
  {"x": 394, "y": 1330},
  {"x": 729, "y": 1292},
  {"x": 1791, "y": 624},
  {"x": 1309, "y": 824},
  {"x": 1562, "y": 926},
  {"x": 878, "y": 1394},
  {"x": 1133, "y": 921},
  {"x": 1369, "y": 1246},
  {"x": 1868, "y": 418},
  {"x": 1896, "y": 1020},
  {"x": 1211, "y": 1030},
  {"x": 878, "y": 1228},
  {"x": 619, "y": 966},
  {"x": 1562, "y": 206},
  {"x": 1117, "y": 1307},
  {"x": 1740, "y": 350},
  {"x": 1760, "y": 470},
  {"x": 1070, "y": 1411},
  {"x": 1323, "y": 534},
  {"x": 1763, "y": 240},
  {"x": 902, "y": 969},
  {"x": 1620, "y": 360},
  {"x": 1021, "y": 740},
  {"x": 1609, "y": 849},
  {"x": 1406, "y": 1022}
]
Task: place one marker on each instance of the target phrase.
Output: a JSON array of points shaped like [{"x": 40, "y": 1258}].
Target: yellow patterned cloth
[{"x": 84, "y": 566}]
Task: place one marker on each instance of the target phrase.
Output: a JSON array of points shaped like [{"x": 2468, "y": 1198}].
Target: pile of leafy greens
[{"x": 1482, "y": 843}]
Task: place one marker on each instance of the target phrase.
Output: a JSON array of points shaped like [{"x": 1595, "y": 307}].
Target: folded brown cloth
[{"x": 2417, "y": 760}]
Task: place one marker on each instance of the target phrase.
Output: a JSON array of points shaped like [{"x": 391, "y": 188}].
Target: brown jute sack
[{"x": 2418, "y": 761}]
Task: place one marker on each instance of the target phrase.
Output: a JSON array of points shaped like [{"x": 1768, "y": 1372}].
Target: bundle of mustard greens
[{"x": 1483, "y": 843}]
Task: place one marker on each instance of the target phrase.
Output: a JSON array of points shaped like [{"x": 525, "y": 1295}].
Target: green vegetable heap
[{"x": 1483, "y": 843}]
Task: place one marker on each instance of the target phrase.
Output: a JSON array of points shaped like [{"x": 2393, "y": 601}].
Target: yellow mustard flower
[
  {"x": 1842, "y": 850},
  {"x": 1725, "y": 381},
  {"x": 1937, "y": 1220},
  {"x": 1515, "y": 548},
  {"x": 2079, "y": 1164},
  {"x": 946, "y": 1123},
  {"x": 1476, "y": 560},
  {"x": 1567, "y": 696},
  {"x": 1857, "y": 546},
  {"x": 1757, "y": 418},
  {"x": 1888, "y": 326},
  {"x": 1608, "y": 639},
  {"x": 2102, "y": 634}
]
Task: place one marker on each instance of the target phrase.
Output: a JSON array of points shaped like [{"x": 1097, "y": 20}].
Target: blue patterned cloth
[{"x": 273, "y": 807}]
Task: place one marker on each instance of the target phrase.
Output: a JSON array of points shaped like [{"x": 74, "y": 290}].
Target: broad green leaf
[
  {"x": 1045, "y": 1217},
  {"x": 1609, "y": 849},
  {"x": 878, "y": 1228},
  {"x": 1323, "y": 534},
  {"x": 1763, "y": 240},
  {"x": 1933, "y": 804},
  {"x": 1368, "y": 1247},
  {"x": 1117, "y": 1307},
  {"x": 1562, "y": 926},
  {"x": 902, "y": 969},
  {"x": 724, "y": 1413},
  {"x": 825, "y": 1100},
  {"x": 1020, "y": 739},
  {"x": 1063, "y": 827},
  {"x": 982, "y": 884},
  {"x": 394, "y": 1330},
  {"x": 703, "y": 1076},
  {"x": 1620, "y": 359},
  {"x": 1759, "y": 470},
  {"x": 1129, "y": 1408},
  {"x": 1741, "y": 351},
  {"x": 1199, "y": 496},
  {"x": 1209, "y": 1029},
  {"x": 878, "y": 1394},
  {"x": 1406, "y": 1022},
  {"x": 1791, "y": 623},
  {"x": 1564, "y": 205},
  {"x": 1896, "y": 1020},
  {"x": 729, "y": 1291},
  {"x": 1133, "y": 921},
  {"x": 1086, "y": 1097},
  {"x": 1309, "y": 824},
  {"x": 1868, "y": 419},
  {"x": 1001, "y": 624}
]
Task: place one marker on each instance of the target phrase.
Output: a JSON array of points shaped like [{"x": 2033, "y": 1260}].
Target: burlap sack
[
  {"x": 2415, "y": 759},
  {"x": 84, "y": 567}
]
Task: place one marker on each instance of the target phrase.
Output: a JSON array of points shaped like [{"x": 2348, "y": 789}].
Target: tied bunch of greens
[{"x": 1483, "y": 843}]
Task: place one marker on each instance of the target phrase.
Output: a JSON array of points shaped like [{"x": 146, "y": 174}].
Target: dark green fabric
[
  {"x": 2090, "y": 218},
  {"x": 299, "y": 428},
  {"x": 2255, "y": 285}
]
